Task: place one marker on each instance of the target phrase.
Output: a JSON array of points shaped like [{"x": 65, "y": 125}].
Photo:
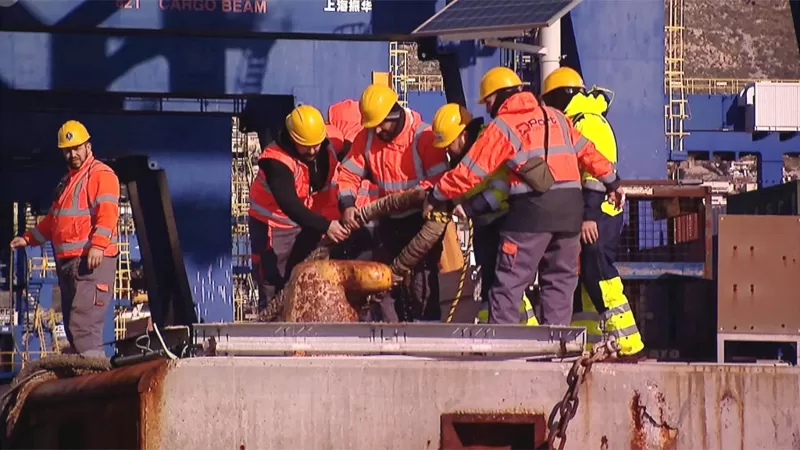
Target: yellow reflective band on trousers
[
  {"x": 618, "y": 319},
  {"x": 527, "y": 315}
]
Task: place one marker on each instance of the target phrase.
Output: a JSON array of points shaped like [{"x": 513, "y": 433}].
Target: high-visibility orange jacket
[
  {"x": 263, "y": 205},
  {"x": 84, "y": 215},
  {"x": 346, "y": 116},
  {"x": 516, "y": 135},
  {"x": 335, "y": 139},
  {"x": 409, "y": 161}
]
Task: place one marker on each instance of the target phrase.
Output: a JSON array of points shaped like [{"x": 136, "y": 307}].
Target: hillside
[{"x": 740, "y": 39}]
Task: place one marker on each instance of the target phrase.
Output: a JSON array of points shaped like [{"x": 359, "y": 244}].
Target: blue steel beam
[
  {"x": 315, "y": 72},
  {"x": 329, "y": 19},
  {"x": 713, "y": 113},
  {"x": 620, "y": 46},
  {"x": 715, "y": 125}
]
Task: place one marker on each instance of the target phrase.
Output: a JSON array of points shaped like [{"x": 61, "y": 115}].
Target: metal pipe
[
  {"x": 267, "y": 347},
  {"x": 550, "y": 39}
]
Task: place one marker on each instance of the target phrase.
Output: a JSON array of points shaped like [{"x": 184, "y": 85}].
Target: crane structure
[{"x": 675, "y": 111}]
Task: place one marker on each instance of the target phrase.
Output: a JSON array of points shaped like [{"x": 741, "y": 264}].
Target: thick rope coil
[{"x": 37, "y": 372}]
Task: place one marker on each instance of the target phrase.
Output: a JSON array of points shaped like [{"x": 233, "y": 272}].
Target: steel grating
[
  {"x": 415, "y": 339},
  {"x": 498, "y": 18}
]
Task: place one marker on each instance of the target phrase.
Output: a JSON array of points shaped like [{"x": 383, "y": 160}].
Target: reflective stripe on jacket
[
  {"x": 493, "y": 192},
  {"x": 346, "y": 116},
  {"x": 407, "y": 162},
  {"x": 263, "y": 205},
  {"x": 586, "y": 112},
  {"x": 84, "y": 215},
  {"x": 517, "y": 135}
]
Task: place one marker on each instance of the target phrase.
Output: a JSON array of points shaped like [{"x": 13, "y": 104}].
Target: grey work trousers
[
  {"x": 520, "y": 255},
  {"x": 85, "y": 298},
  {"x": 272, "y": 250}
]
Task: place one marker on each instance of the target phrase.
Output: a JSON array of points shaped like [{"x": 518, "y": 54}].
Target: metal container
[
  {"x": 757, "y": 294},
  {"x": 676, "y": 317},
  {"x": 772, "y": 106},
  {"x": 778, "y": 200},
  {"x": 667, "y": 231}
]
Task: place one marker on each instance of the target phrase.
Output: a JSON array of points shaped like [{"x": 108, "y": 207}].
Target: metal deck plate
[{"x": 423, "y": 339}]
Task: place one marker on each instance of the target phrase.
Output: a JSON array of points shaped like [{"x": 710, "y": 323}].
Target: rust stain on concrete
[{"x": 650, "y": 429}]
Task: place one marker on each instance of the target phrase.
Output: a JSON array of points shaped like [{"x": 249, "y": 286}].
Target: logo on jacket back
[{"x": 525, "y": 127}]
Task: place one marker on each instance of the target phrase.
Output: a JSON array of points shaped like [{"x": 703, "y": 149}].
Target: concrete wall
[{"x": 389, "y": 403}]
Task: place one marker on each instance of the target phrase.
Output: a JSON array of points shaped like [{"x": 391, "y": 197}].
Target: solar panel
[{"x": 494, "y": 17}]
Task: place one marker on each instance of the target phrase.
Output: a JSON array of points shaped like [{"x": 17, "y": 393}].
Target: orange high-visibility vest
[
  {"x": 409, "y": 161},
  {"x": 517, "y": 135},
  {"x": 263, "y": 205},
  {"x": 346, "y": 116},
  {"x": 84, "y": 215}
]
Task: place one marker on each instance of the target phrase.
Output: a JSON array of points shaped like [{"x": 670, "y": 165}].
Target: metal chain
[{"x": 566, "y": 409}]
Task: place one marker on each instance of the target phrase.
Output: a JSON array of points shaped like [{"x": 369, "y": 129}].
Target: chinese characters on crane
[{"x": 348, "y": 6}]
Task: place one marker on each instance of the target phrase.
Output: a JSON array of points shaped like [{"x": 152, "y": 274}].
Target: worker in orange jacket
[
  {"x": 395, "y": 151},
  {"x": 346, "y": 117},
  {"x": 542, "y": 228},
  {"x": 293, "y": 202},
  {"x": 82, "y": 226}
]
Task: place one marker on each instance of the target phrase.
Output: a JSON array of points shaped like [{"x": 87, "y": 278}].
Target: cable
[{"x": 163, "y": 344}]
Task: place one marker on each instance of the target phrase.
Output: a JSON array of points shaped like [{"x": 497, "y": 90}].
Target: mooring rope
[
  {"x": 37, "y": 372},
  {"x": 463, "y": 278}
]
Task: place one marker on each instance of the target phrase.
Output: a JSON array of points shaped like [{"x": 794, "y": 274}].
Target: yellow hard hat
[
  {"x": 72, "y": 134},
  {"x": 561, "y": 78},
  {"x": 306, "y": 125},
  {"x": 376, "y": 102},
  {"x": 448, "y": 122},
  {"x": 496, "y": 79}
]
